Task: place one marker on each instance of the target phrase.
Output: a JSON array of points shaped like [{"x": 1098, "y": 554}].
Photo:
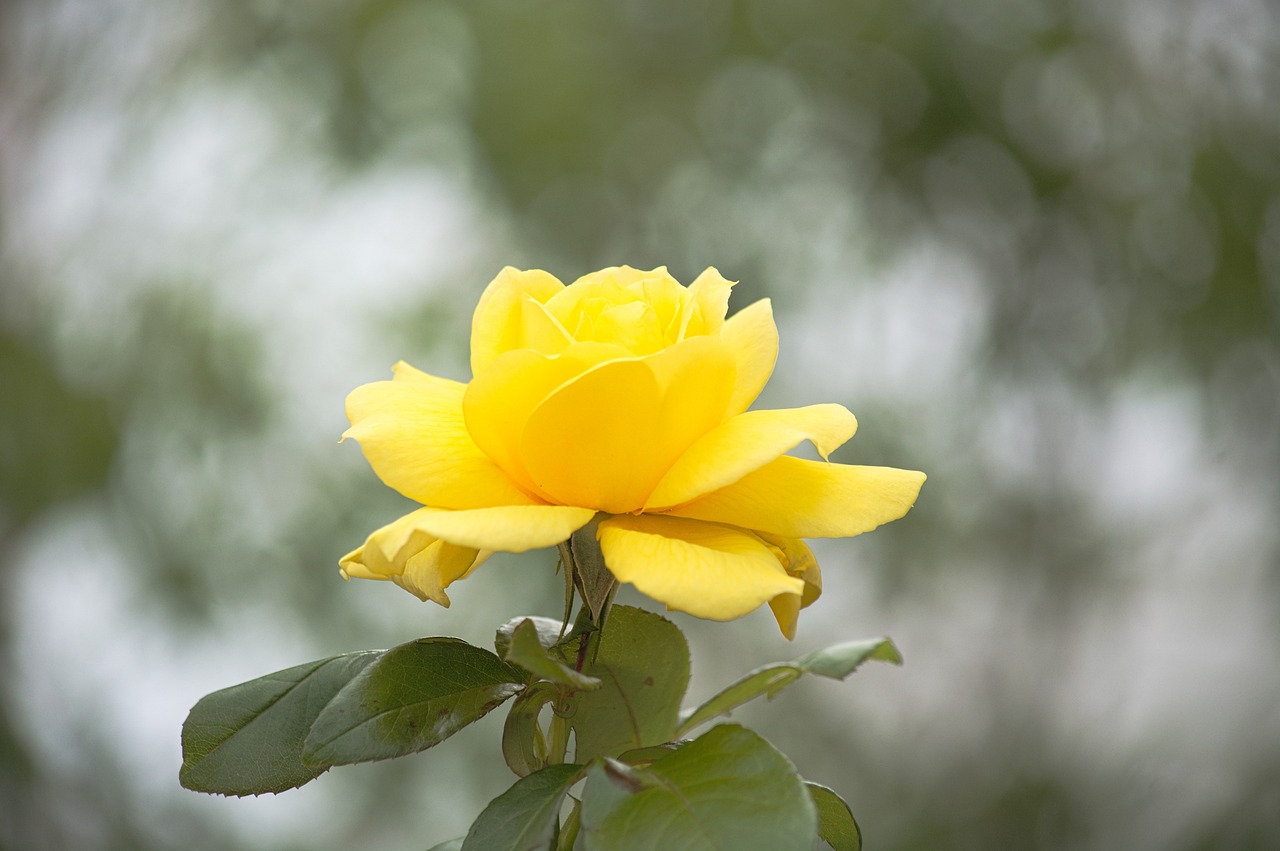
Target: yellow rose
[{"x": 624, "y": 394}]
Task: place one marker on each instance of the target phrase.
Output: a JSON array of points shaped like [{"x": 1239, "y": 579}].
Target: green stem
[
  {"x": 560, "y": 727},
  {"x": 569, "y": 832}
]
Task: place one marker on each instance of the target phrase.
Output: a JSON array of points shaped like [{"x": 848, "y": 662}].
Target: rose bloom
[{"x": 624, "y": 396}]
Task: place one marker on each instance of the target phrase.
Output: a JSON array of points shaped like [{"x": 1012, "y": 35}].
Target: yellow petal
[
  {"x": 577, "y": 305},
  {"x": 753, "y": 338},
  {"x": 705, "y": 569},
  {"x": 638, "y": 309},
  {"x": 435, "y": 568},
  {"x": 747, "y": 442},
  {"x": 497, "y": 324},
  {"x": 796, "y": 498},
  {"x": 622, "y": 276},
  {"x": 666, "y": 297},
  {"x": 708, "y": 302},
  {"x": 498, "y": 402},
  {"x": 405, "y": 554},
  {"x": 591, "y": 442},
  {"x": 605, "y": 438},
  {"x": 798, "y": 560},
  {"x": 540, "y": 330},
  {"x": 634, "y": 325},
  {"x": 412, "y": 431},
  {"x": 513, "y": 528}
]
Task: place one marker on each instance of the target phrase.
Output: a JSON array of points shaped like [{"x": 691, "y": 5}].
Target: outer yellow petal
[
  {"x": 605, "y": 438},
  {"x": 747, "y": 442},
  {"x": 429, "y": 572},
  {"x": 798, "y": 560},
  {"x": 795, "y": 498},
  {"x": 513, "y": 528},
  {"x": 412, "y": 431},
  {"x": 705, "y": 569},
  {"x": 408, "y": 556},
  {"x": 497, "y": 324},
  {"x": 753, "y": 338}
]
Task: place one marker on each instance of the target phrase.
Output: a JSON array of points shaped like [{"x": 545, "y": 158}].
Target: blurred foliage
[
  {"x": 55, "y": 443},
  {"x": 1061, "y": 219}
]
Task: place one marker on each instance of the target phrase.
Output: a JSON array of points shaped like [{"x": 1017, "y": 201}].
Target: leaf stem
[
  {"x": 560, "y": 728},
  {"x": 569, "y": 831}
]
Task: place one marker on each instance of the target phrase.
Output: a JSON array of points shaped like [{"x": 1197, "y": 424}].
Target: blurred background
[{"x": 1035, "y": 247}]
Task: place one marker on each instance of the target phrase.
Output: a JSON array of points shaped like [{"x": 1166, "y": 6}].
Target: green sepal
[
  {"x": 526, "y": 816},
  {"x": 835, "y": 662},
  {"x": 727, "y": 789},
  {"x": 526, "y": 649},
  {"x": 643, "y": 661},
  {"x": 594, "y": 580},
  {"x": 413, "y": 697},
  {"x": 836, "y": 824},
  {"x": 566, "y": 563},
  {"x": 248, "y": 739},
  {"x": 523, "y": 746}
]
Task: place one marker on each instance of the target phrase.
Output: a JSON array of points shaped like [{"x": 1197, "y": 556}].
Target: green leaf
[
  {"x": 414, "y": 696},
  {"x": 836, "y": 662},
  {"x": 522, "y": 744},
  {"x": 841, "y": 660},
  {"x": 643, "y": 661},
  {"x": 609, "y": 784},
  {"x": 644, "y": 756},
  {"x": 450, "y": 845},
  {"x": 525, "y": 816},
  {"x": 549, "y": 632},
  {"x": 836, "y": 825},
  {"x": 524, "y": 648},
  {"x": 247, "y": 739},
  {"x": 728, "y": 789}
]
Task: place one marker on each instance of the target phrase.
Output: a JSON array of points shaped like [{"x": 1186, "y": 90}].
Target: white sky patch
[{"x": 898, "y": 335}]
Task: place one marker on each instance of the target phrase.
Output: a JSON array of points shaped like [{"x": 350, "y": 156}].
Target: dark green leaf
[
  {"x": 247, "y": 739},
  {"x": 548, "y": 630},
  {"x": 415, "y": 696},
  {"x": 836, "y": 662},
  {"x": 522, "y": 743},
  {"x": 524, "y": 817},
  {"x": 729, "y": 789},
  {"x": 836, "y": 825},
  {"x": 524, "y": 649},
  {"x": 643, "y": 661}
]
